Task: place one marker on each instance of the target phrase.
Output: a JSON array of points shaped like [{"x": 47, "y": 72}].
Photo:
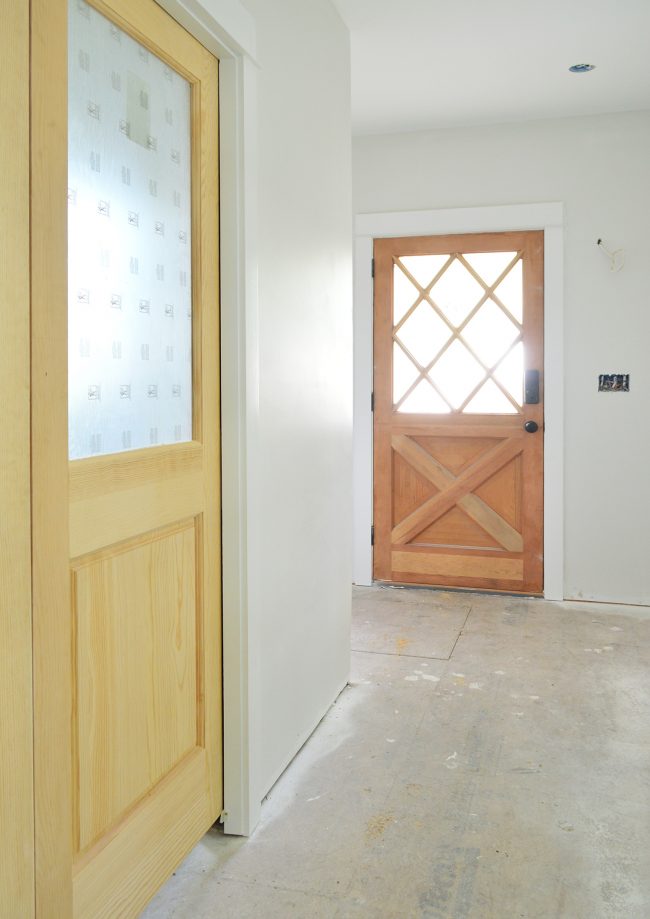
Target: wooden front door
[
  {"x": 125, "y": 389},
  {"x": 459, "y": 415}
]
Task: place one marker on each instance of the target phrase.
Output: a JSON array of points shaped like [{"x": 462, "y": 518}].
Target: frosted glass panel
[
  {"x": 456, "y": 374},
  {"x": 511, "y": 292},
  {"x": 424, "y": 333},
  {"x": 404, "y": 372},
  {"x": 489, "y": 400},
  {"x": 456, "y": 293},
  {"x": 489, "y": 265},
  {"x": 404, "y": 294},
  {"x": 129, "y": 262},
  {"x": 510, "y": 373},
  {"x": 490, "y": 333},
  {"x": 424, "y": 268},
  {"x": 424, "y": 400}
]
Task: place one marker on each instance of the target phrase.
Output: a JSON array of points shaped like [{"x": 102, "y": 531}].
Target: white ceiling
[{"x": 420, "y": 64}]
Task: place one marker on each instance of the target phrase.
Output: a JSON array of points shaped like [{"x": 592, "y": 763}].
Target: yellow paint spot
[
  {"x": 402, "y": 644},
  {"x": 376, "y": 826}
]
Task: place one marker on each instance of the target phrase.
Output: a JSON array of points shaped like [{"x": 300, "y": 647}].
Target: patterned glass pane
[
  {"x": 456, "y": 293},
  {"x": 424, "y": 333},
  {"x": 130, "y": 304},
  {"x": 404, "y": 294},
  {"x": 490, "y": 333},
  {"x": 424, "y": 399},
  {"x": 456, "y": 374}
]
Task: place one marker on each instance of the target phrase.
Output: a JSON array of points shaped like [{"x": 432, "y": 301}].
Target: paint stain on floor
[{"x": 376, "y": 826}]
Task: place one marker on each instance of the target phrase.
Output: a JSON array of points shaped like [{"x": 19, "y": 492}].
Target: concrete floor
[{"x": 489, "y": 760}]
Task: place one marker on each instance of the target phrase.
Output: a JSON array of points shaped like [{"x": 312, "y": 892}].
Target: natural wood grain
[
  {"x": 209, "y": 662},
  {"x": 145, "y": 847},
  {"x": 135, "y": 648},
  {"x": 92, "y": 476},
  {"x": 454, "y": 528},
  {"x": 457, "y": 483},
  {"x": 492, "y": 523},
  {"x": 473, "y": 506},
  {"x": 108, "y": 517},
  {"x": 16, "y": 713},
  {"x": 51, "y": 577},
  {"x": 463, "y": 566},
  {"x": 439, "y": 504}
]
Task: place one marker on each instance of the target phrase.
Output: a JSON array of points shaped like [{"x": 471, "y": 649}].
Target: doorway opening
[{"x": 546, "y": 218}]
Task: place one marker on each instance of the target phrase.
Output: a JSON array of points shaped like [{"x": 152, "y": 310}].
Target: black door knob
[{"x": 531, "y": 427}]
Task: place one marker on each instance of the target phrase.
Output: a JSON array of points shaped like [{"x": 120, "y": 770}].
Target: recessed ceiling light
[{"x": 582, "y": 68}]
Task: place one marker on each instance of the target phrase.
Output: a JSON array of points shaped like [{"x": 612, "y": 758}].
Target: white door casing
[{"x": 227, "y": 29}]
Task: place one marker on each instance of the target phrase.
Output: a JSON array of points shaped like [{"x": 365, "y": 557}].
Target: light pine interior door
[
  {"x": 126, "y": 452},
  {"x": 459, "y": 414}
]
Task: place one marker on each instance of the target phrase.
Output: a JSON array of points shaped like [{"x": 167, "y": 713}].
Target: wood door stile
[
  {"x": 458, "y": 497},
  {"x": 126, "y": 575},
  {"x": 16, "y": 726},
  {"x": 52, "y": 613}
]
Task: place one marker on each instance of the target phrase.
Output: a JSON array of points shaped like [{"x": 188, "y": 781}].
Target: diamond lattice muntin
[{"x": 457, "y": 333}]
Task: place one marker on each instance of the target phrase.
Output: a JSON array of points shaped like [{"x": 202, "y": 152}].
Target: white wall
[
  {"x": 300, "y": 566},
  {"x": 600, "y": 168}
]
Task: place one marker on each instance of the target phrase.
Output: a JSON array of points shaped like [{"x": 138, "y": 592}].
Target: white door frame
[
  {"x": 227, "y": 29},
  {"x": 546, "y": 217}
]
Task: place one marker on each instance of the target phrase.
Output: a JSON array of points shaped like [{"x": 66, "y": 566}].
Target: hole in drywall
[{"x": 614, "y": 382}]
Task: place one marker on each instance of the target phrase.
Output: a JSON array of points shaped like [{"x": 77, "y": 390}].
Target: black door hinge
[
  {"x": 372, "y": 536},
  {"x": 372, "y": 269},
  {"x": 372, "y": 401}
]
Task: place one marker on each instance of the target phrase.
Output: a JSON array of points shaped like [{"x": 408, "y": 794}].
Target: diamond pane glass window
[
  {"x": 424, "y": 399},
  {"x": 468, "y": 360},
  {"x": 490, "y": 333},
  {"x": 130, "y": 283},
  {"x": 456, "y": 374},
  {"x": 424, "y": 333},
  {"x": 511, "y": 292},
  {"x": 456, "y": 293},
  {"x": 404, "y": 294}
]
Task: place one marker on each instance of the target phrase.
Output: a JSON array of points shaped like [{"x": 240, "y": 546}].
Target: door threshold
[{"x": 390, "y": 585}]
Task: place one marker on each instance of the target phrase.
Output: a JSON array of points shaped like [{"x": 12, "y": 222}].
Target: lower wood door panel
[
  {"x": 121, "y": 874},
  {"x": 458, "y": 515},
  {"x": 135, "y": 648}
]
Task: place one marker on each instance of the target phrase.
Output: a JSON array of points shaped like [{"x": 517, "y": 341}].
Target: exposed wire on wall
[{"x": 616, "y": 258}]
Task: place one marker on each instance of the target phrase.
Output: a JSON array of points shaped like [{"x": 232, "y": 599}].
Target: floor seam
[
  {"x": 415, "y": 657},
  {"x": 460, "y": 633},
  {"x": 420, "y": 657}
]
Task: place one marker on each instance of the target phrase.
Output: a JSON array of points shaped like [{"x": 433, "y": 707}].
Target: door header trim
[{"x": 447, "y": 221}]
